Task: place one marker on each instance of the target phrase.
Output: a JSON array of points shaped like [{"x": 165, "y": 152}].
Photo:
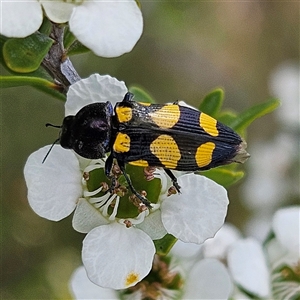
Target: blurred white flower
[
  {"x": 245, "y": 261},
  {"x": 286, "y": 228},
  {"x": 269, "y": 184},
  {"x": 273, "y": 177},
  {"x": 108, "y": 28},
  {"x": 218, "y": 246},
  {"x": 82, "y": 288},
  {"x": 284, "y": 83},
  {"x": 248, "y": 267},
  {"x": 284, "y": 253}
]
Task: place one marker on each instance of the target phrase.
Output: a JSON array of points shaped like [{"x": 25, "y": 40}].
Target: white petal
[
  {"x": 248, "y": 267},
  {"x": 58, "y": 11},
  {"x": 217, "y": 247},
  {"x": 208, "y": 279},
  {"x": 153, "y": 226},
  {"x": 259, "y": 225},
  {"x": 55, "y": 185},
  {"x": 117, "y": 257},
  {"x": 198, "y": 212},
  {"x": 284, "y": 84},
  {"x": 82, "y": 288},
  {"x": 186, "y": 250},
  {"x": 87, "y": 217},
  {"x": 108, "y": 28},
  {"x": 286, "y": 228},
  {"x": 277, "y": 254},
  {"x": 20, "y": 18},
  {"x": 95, "y": 88}
]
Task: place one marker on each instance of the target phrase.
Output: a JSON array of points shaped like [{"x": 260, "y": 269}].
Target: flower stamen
[
  {"x": 92, "y": 193},
  {"x": 115, "y": 210},
  {"x": 104, "y": 208}
]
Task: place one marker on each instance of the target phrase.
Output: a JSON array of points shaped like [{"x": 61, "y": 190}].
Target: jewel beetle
[{"x": 171, "y": 136}]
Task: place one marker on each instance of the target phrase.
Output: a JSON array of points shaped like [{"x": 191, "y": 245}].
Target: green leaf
[
  {"x": 25, "y": 55},
  {"x": 165, "y": 244},
  {"x": 72, "y": 45},
  {"x": 77, "y": 48},
  {"x": 46, "y": 27},
  {"x": 69, "y": 37},
  {"x": 39, "y": 83},
  {"x": 212, "y": 103},
  {"x": 227, "y": 117},
  {"x": 224, "y": 176},
  {"x": 141, "y": 95},
  {"x": 245, "y": 118}
]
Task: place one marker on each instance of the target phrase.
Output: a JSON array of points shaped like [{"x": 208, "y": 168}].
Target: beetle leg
[
  {"x": 174, "y": 179},
  {"x": 133, "y": 190},
  {"x": 108, "y": 166}
]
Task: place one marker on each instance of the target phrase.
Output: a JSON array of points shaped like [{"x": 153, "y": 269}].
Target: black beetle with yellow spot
[{"x": 172, "y": 136}]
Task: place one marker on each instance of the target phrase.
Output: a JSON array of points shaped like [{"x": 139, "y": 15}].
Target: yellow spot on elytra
[
  {"x": 204, "y": 154},
  {"x": 167, "y": 116},
  {"x": 122, "y": 143},
  {"x": 209, "y": 124},
  {"x": 124, "y": 114},
  {"x": 145, "y": 103},
  {"x": 166, "y": 150},
  {"x": 139, "y": 163},
  {"x": 131, "y": 279}
]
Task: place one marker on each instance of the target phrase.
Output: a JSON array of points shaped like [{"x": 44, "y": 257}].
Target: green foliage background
[{"x": 187, "y": 49}]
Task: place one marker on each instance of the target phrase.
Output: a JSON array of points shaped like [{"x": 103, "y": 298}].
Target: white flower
[
  {"x": 118, "y": 250},
  {"x": 284, "y": 253},
  {"x": 219, "y": 245},
  {"x": 270, "y": 181},
  {"x": 82, "y": 288},
  {"x": 168, "y": 280},
  {"x": 286, "y": 228},
  {"x": 208, "y": 279},
  {"x": 198, "y": 212},
  {"x": 108, "y": 28},
  {"x": 284, "y": 84},
  {"x": 267, "y": 184},
  {"x": 248, "y": 266}
]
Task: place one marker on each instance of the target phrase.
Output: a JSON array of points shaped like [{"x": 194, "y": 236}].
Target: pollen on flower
[
  {"x": 86, "y": 176},
  {"x": 163, "y": 282},
  {"x": 149, "y": 173},
  {"x": 172, "y": 191},
  {"x": 127, "y": 223},
  {"x": 131, "y": 279},
  {"x": 137, "y": 202},
  {"x": 105, "y": 186}
]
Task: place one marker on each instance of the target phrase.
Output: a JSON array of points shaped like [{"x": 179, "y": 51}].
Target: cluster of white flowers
[
  {"x": 108, "y": 28},
  {"x": 273, "y": 177},
  {"x": 114, "y": 254},
  {"x": 227, "y": 266}
]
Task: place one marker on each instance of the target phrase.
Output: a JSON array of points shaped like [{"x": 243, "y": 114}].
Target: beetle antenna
[
  {"x": 55, "y": 126},
  {"x": 51, "y": 125},
  {"x": 50, "y": 150}
]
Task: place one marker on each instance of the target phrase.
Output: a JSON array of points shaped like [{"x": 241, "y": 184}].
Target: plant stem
[{"x": 57, "y": 64}]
